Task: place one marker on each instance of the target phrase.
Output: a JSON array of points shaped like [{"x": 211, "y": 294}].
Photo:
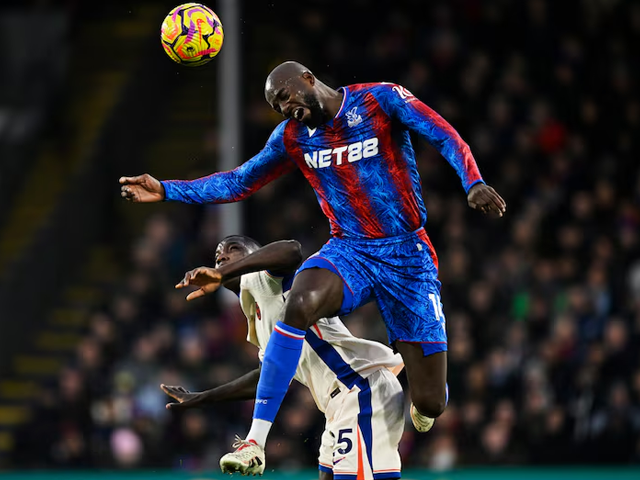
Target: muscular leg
[
  {"x": 316, "y": 293},
  {"x": 427, "y": 377}
]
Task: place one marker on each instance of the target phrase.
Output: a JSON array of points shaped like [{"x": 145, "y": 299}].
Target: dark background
[{"x": 542, "y": 306}]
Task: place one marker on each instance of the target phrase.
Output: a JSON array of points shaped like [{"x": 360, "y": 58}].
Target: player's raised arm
[
  {"x": 401, "y": 104},
  {"x": 221, "y": 187},
  {"x": 279, "y": 258}
]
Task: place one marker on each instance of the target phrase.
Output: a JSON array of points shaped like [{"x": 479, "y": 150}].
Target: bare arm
[
  {"x": 280, "y": 258},
  {"x": 243, "y": 388}
]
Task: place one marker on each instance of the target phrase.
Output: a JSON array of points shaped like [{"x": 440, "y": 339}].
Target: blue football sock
[{"x": 279, "y": 365}]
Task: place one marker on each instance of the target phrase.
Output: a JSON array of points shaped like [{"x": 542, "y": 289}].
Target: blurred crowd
[{"x": 542, "y": 306}]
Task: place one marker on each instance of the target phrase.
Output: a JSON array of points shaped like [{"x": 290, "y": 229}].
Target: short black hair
[{"x": 251, "y": 244}]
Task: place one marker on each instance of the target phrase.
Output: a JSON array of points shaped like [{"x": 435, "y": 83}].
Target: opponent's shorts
[
  {"x": 400, "y": 274},
  {"x": 364, "y": 427}
]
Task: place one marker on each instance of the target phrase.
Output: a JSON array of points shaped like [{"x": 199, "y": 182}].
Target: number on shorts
[
  {"x": 347, "y": 441},
  {"x": 437, "y": 308}
]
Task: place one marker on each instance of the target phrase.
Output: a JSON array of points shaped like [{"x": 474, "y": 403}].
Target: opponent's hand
[
  {"x": 208, "y": 279},
  {"x": 143, "y": 189},
  {"x": 185, "y": 398},
  {"x": 485, "y": 199}
]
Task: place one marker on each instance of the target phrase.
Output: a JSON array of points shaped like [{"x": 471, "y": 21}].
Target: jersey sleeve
[
  {"x": 237, "y": 184},
  {"x": 400, "y": 104}
]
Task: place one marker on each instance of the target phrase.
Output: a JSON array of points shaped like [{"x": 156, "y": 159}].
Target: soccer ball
[{"x": 191, "y": 34}]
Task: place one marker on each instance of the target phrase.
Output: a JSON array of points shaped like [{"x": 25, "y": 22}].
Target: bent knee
[
  {"x": 305, "y": 302},
  {"x": 431, "y": 406},
  {"x": 301, "y": 309}
]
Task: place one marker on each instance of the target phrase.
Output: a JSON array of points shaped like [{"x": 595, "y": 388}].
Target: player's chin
[{"x": 313, "y": 119}]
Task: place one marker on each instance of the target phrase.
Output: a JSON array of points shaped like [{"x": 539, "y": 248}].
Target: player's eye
[{"x": 284, "y": 95}]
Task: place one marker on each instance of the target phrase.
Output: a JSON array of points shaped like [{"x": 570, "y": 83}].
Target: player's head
[
  {"x": 231, "y": 249},
  {"x": 293, "y": 91}
]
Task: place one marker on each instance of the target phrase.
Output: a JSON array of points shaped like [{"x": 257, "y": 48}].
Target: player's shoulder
[
  {"x": 367, "y": 87},
  {"x": 371, "y": 87},
  {"x": 253, "y": 279},
  {"x": 280, "y": 129},
  {"x": 249, "y": 280},
  {"x": 264, "y": 283},
  {"x": 384, "y": 93},
  {"x": 283, "y": 133},
  {"x": 288, "y": 128}
]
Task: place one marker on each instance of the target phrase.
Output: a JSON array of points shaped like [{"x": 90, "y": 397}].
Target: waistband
[{"x": 382, "y": 241}]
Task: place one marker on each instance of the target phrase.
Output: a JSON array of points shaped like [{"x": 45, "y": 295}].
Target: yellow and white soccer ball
[{"x": 192, "y": 34}]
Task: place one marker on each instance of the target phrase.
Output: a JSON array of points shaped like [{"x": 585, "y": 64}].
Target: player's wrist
[
  {"x": 475, "y": 185},
  {"x": 163, "y": 191},
  {"x": 208, "y": 396}
]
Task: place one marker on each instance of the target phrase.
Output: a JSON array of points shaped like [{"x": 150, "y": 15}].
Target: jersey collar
[
  {"x": 329, "y": 124},
  {"x": 345, "y": 99},
  {"x": 345, "y": 92}
]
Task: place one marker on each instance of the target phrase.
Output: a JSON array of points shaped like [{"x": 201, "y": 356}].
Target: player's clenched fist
[
  {"x": 208, "y": 279},
  {"x": 485, "y": 199},
  {"x": 143, "y": 188}
]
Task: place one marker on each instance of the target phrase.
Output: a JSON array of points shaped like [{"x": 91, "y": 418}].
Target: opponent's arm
[
  {"x": 243, "y": 388},
  {"x": 402, "y": 105},
  {"x": 222, "y": 187},
  {"x": 280, "y": 258}
]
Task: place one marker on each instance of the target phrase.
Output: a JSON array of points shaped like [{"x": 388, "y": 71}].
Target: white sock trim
[{"x": 259, "y": 431}]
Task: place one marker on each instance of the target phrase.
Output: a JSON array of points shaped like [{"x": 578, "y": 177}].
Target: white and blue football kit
[{"x": 353, "y": 382}]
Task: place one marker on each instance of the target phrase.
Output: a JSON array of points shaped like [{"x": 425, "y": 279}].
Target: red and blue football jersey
[{"x": 361, "y": 164}]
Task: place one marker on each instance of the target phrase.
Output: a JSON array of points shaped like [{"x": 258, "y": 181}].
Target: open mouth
[{"x": 298, "y": 114}]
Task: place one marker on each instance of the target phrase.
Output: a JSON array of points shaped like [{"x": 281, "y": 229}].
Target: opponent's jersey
[
  {"x": 331, "y": 356},
  {"x": 361, "y": 164}
]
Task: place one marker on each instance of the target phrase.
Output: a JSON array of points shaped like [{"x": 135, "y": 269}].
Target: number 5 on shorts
[
  {"x": 437, "y": 307},
  {"x": 347, "y": 441}
]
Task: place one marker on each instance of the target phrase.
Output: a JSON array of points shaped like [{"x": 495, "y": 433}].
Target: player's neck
[{"x": 332, "y": 101}]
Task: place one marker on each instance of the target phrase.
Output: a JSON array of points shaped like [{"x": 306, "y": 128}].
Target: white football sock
[{"x": 259, "y": 431}]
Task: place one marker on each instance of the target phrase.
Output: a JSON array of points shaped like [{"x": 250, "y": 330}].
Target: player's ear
[{"x": 308, "y": 76}]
